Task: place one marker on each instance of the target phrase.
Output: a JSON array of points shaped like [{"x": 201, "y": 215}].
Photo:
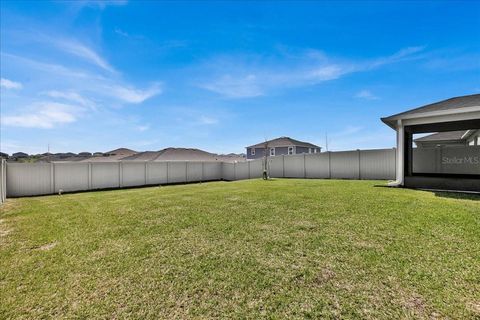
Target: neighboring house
[
  {"x": 450, "y": 138},
  {"x": 3, "y": 155},
  {"x": 120, "y": 152},
  {"x": 19, "y": 155},
  {"x": 85, "y": 154},
  {"x": 281, "y": 146}
]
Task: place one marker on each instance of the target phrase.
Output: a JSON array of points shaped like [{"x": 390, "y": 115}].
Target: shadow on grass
[
  {"x": 475, "y": 196},
  {"x": 458, "y": 195}
]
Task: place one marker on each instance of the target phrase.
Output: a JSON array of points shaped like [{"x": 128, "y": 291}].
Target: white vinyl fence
[
  {"x": 25, "y": 179},
  {"x": 3, "y": 180},
  {"x": 357, "y": 165}
]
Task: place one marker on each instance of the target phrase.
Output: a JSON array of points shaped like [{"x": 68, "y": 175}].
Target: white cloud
[
  {"x": 401, "y": 55},
  {"x": 233, "y": 87},
  {"x": 71, "y": 96},
  {"x": 52, "y": 69},
  {"x": 9, "y": 84},
  {"x": 366, "y": 94},
  {"x": 143, "y": 128},
  {"x": 252, "y": 76},
  {"x": 121, "y": 32},
  {"x": 205, "y": 120},
  {"x": 44, "y": 115},
  {"x": 82, "y": 51},
  {"x": 132, "y": 95}
]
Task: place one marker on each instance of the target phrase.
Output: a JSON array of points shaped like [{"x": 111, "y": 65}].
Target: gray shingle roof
[
  {"x": 472, "y": 100},
  {"x": 283, "y": 142},
  {"x": 122, "y": 151},
  {"x": 180, "y": 154}
]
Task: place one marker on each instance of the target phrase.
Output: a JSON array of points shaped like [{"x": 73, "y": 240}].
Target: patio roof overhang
[{"x": 450, "y": 115}]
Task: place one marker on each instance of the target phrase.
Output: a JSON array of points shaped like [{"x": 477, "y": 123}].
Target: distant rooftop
[
  {"x": 444, "y": 136},
  {"x": 121, "y": 151},
  {"x": 181, "y": 154},
  {"x": 283, "y": 142}
]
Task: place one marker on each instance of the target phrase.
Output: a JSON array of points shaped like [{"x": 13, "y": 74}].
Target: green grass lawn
[{"x": 284, "y": 248}]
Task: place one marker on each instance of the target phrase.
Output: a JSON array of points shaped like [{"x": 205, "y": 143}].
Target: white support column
[{"x": 400, "y": 156}]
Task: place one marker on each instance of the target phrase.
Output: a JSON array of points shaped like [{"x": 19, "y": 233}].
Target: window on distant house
[
  {"x": 272, "y": 151},
  {"x": 290, "y": 150},
  {"x": 252, "y": 151},
  {"x": 315, "y": 150},
  {"x": 310, "y": 150}
]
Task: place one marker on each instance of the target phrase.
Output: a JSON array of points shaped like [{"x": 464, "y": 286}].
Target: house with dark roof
[
  {"x": 19, "y": 155},
  {"x": 449, "y": 139},
  {"x": 281, "y": 146},
  {"x": 448, "y": 157}
]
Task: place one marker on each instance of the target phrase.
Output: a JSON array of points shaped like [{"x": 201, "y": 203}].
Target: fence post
[
  {"x": 234, "y": 171},
  {"x": 146, "y": 172},
  {"x": 120, "y": 174},
  {"x": 359, "y": 165},
  {"x": 283, "y": 166},
  {"x": 329, "y": 164},
  {"x": 52, "y": 177},
  {"x": 203, "y": 171},
  {"x": 168, "y": 169},
  {"x": 89, "y": 178},
  {"x": 249, "y": 173},
  {"x": 304, "y": 166}
]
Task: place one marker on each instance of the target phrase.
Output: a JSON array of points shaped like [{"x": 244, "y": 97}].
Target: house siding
[{"x": 259, "y": 153}]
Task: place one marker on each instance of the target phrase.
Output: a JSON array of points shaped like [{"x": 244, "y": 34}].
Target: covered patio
[{"x": 438, "y": 145}]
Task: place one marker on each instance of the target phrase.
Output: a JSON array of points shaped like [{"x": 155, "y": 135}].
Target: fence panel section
[
  {"x": 345, "y": 165},
  {"x": 177, "y": 172},
  {"x": 71, "y": 176},
  {"x": 294, "y": 166},
  {"x": 377, "y": 164},
  {"x": 105, "y": 175},
  {"x": 256, "y": 169},
  {"x": 157, "y": 172},
  {"x": 134, "y": 174},
  {"x": 194, "y": 171},
  {"x": 212, "y": 171},
  {"x": 318, "y": 165},
  {"x": 241, "y": 171},
  {"x": 29, "y": 179},
  {"x": 228, "y": 171}
]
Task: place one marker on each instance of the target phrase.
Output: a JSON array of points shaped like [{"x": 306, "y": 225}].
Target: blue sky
[{"x": 94, "y": 76}]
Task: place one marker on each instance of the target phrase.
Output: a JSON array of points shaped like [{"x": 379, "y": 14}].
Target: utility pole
[{"x": 326, "y": 141}]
